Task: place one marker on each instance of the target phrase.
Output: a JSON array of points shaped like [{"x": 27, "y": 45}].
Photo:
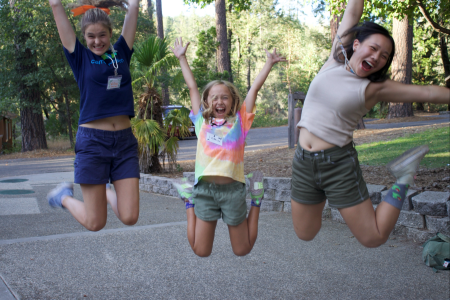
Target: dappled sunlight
[{"x": 440, "y": 155}]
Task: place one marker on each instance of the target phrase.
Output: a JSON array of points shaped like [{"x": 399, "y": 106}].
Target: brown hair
[
  {"x": 94, "y": 16},
  {"x": 235, "y": 105}
]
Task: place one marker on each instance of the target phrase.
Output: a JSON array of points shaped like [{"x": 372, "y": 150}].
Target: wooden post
[{"x": 292, "y": 101}]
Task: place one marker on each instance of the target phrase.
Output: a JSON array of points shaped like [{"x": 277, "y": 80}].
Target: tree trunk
[
  {"x": 223, "y": 58},
  {"x": 334, "y": 23},
  {"x": 69, "y": 119},
  {"x": 230, "y": 34},
  {"x": 159, "y": 17},
  {"x": 249, "y": 71},
  {"x": 150, "y": 9},
  {"x": 402, "y": 64},
  {"x": 62, "y": 114},
  {"x": 445, "y": 61},
  {"x": 31, "y": 120}
]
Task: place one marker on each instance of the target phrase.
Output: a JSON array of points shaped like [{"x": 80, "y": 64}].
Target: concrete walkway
[{"x": 46, "y": 254}]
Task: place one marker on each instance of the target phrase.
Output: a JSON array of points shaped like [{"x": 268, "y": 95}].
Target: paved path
[{"x": 46, "y": 254}]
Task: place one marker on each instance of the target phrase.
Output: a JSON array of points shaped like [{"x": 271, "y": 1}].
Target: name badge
[
  {"x": 214, "y": 139},
  {"x": 114, "y": 82}
]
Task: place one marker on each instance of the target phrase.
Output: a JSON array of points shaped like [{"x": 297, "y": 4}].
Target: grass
[{"x": 380, "y": 153}]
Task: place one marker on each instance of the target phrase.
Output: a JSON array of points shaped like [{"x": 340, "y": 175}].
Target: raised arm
[
  {"x": 272, "y": 58},
  {"x": 393, "y": 91},
  {"x": 180, "y": 52},
  {"x": 352, "y": 15},
  {"x": 65, "y": 30},
  {"x": 130, "y": 22}
]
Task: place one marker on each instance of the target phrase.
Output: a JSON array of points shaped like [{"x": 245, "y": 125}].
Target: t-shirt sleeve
[
  {"x": 123, "y": 50},
  {"x": 247, "y": 118},
  {"x": 197, "y": 120},
  {"x": 75, "y": 58}
]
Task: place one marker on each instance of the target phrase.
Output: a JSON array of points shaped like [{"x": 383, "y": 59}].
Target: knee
[
  {"x": 202, "y": 252},
  {"x": 372, "y": 242},
  {"x": 130, "y": 220},
  {"x": 305, "y": 236},
  {"x": 241, "y": 252},
  {"x": 95, "y": 225}
]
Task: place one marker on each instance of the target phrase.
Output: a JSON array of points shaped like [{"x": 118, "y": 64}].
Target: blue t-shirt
[{"x": 91, "y": 73}]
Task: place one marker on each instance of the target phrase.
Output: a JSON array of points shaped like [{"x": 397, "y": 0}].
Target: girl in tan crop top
[{"x": 326, "y": 165}]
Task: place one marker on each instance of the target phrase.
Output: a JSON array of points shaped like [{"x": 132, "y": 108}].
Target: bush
[{"x": 266, "y": 120}]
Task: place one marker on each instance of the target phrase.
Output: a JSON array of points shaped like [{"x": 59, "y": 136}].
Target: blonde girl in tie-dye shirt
[{"x": 221, "y": 125}]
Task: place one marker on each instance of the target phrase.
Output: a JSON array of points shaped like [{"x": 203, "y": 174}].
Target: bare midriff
[
  {"x": 109, "y": 124},
  {"x": 218, "y": 179},
  {"x": 312, "y": 143}
]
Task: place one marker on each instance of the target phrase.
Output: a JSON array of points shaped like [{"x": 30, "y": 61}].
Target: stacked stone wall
[{"x": 422, "y": 214}]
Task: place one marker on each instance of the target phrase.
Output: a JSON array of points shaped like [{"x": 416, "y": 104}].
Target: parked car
[{"x": 168, "y": 108}]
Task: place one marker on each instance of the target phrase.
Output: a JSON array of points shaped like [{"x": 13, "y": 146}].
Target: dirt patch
[{"x": 38, "y": 154}]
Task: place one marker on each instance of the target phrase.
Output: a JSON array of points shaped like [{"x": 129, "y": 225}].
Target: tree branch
[{"x": 427, "y": 16}]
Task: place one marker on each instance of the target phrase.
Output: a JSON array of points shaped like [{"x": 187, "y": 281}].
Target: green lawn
[{"x": 380, "y": 153}]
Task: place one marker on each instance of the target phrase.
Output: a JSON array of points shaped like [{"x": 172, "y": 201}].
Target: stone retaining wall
[{"x": 422, "y": 215}]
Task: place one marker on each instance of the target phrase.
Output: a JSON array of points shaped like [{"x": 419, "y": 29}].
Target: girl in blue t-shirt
[{"x": 106, "y": 150}]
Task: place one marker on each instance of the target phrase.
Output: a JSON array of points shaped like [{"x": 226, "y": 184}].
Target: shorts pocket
[{"x": 87, "y": 145}]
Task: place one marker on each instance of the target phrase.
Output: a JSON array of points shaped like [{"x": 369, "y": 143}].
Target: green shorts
[
  {"x": 214, "y": 201},
  {"x": 332, "y": 174}
]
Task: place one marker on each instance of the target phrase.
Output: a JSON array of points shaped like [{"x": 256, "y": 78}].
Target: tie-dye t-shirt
[{"x": 220, "y": 148}]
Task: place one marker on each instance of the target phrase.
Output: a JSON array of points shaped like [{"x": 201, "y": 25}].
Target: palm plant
[
  {"x": 152, "y": 55},
  {"x": 177, "y": 123}
]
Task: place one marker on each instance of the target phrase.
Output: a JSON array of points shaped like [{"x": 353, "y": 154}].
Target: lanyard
[
  {"x": 347, "y": 63},
  {"x": 113, "y": 55}
]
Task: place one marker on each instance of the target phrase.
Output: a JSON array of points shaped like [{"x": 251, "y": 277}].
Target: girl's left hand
[{"x": 274, "y": 57}]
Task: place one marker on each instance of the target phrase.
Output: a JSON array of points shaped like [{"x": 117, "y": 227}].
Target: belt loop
[
  {"x": 328, "y": 159},
  {"x": 303, "y": 154},
  {"x": 323, "y": 155}
]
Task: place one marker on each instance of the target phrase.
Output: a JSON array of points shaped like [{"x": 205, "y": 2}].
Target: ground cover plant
[{"x": 380, "y": 153}]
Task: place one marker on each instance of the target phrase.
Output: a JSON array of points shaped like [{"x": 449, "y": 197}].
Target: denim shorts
[
  {"x": 103, "y": 156},
  {"x": 332, "y": 174},
  {"x": 213, "y": 201}
]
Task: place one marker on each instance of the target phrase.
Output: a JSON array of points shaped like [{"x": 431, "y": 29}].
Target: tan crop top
[{"x": 334, "y": 104}]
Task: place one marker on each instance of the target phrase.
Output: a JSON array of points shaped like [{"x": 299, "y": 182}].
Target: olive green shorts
[
  {"x": 332, "y": 174},
  {"x": 214, "y": 201}
]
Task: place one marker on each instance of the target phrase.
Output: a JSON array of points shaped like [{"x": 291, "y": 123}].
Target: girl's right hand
[{"x": 178, "y": 49}]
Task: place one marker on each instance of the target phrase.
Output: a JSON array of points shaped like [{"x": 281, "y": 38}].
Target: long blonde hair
[
  {"x": 95, "y": 15},
  {"x": 235, "y": 105}
]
